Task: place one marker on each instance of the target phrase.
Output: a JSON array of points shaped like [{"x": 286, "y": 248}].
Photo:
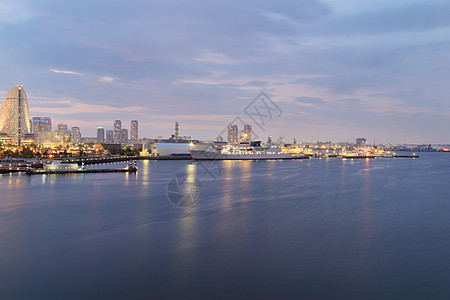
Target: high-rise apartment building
[
  {"x": 100, "y": 135},
  {"x": 246, "y": 136},
  {"x": 248, "y": 129},
  {"x": 134, "y": 131},
  {"x": 62, "y": 129},
  {"x": 233, "y": 134},
  {"x": 42, "y": 124},
  {"x": 110, "y": 136},
  {"x": 124, "y": 136},
  {"x": 117, "y": 132},
  {"x": 75, "y": 135},
  {"x": 15, "y": 115}
]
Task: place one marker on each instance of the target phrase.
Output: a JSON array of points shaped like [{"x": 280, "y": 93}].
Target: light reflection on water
[{"x": 227, "y": 190}]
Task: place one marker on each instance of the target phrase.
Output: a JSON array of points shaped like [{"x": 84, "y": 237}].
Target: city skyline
[
  {"x": 337, "y": 69},
  {"x": 44, "y": 125}
]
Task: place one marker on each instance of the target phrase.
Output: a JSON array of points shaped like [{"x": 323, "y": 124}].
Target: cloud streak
[
  {"x": 66, "y": 72},
  {"x": 106, "y": 79}
]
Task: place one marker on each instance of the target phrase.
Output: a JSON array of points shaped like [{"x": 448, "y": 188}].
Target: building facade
[
  {"x": 134, "y": 131},
  {"x": 117, "y": 132},
  {"x": 63, "y": 129},
  {"x": 361, "y": 141},
  {"x": 246, "y": 135},
  {"x": 100, "y": 135},
  {"x": 233, "y": 134},
  {"x": 42, "y": 124},
  {"x": 49, "y": 139},
  {"x": 110, "y": 136},
  {"x": 89, "y": 140},
  {"x": 15, "y": 115},
  {"x": 75, "y": 135},
  {"x": 124, "y": 136}
]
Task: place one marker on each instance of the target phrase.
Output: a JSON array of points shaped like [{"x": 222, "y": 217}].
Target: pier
[
  {"x": 83, "y": 171},
  {"x": 67, "y": 168},
  {"x": 7, "y": 170},
  {"x": 357, "y": 156},
  {"x": 407, "y": 155}
]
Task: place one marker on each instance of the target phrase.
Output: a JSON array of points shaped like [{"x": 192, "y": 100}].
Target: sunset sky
[{"x": 337, "y": 69}]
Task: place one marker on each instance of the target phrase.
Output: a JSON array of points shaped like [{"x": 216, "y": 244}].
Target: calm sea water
[{"x": 314, "y": 229}]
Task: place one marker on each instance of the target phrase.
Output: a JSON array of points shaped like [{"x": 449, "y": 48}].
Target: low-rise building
[{"x": 50, "y": 139}]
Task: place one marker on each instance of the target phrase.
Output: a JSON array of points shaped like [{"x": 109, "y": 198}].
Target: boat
[{"x": 252, "y": 151}]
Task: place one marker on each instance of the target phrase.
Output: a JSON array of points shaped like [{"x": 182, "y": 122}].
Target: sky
[{"x": 335, "y": 69}]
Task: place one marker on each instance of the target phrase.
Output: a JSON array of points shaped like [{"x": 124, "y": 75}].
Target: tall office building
[
  {"x": 117, "y": 132},
  {"x": 42, "y": 124},
  {"x": 75, "y": 135},
  {"x": 233, "y": 134},
  {"x": 109, "y": 136},
  {"x": 124, "y": 136},
  {"x": 100, "y": 135},
  {"x": 134, "y": 131},
  {"x": 62, "y": 129},
  {"x": 15, "y": 115},
  {"x": 246, "y": 136}
]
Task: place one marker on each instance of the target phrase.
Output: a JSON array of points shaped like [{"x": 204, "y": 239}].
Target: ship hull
[{"x": 209, "y": 155}]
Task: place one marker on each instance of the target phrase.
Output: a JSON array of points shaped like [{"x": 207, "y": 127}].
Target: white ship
[{"x": 253, "y": 151}]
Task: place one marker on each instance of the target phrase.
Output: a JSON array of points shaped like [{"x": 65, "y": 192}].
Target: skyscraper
[
  {"x": 75, "y": 135},
  {"x": 109, "y": 136},
  {"x": 117, "y": 132},
  {"x": 100, "y": 135},
  {"x": 233, "y": 134},
  {"x": 15, "y": 115},
  {"x": 42, "y": 124},
  {"x": 134, "y": 131},
  {"x": 248, "y": 129},
  {"x": 124, "y": 136},
  {"x": 246, "y": 136}
]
